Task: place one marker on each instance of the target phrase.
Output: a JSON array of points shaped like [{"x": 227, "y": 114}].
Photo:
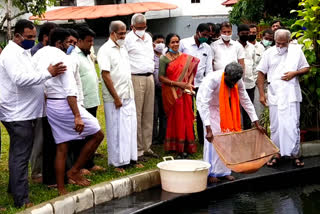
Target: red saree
[{"x": 178, "y": 105}]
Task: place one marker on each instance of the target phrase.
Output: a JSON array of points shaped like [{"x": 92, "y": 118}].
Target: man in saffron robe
[{"x": 218, "y": 103}]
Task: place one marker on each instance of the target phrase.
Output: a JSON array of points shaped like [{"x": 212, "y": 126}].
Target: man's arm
[
  {"x": 108, "y": 81},
  {"x": 260, "y": 84},
  {"x": 291, "y": 74},
  {"x": 79, "y": 125},
  {"x": 241, "y": 62}
]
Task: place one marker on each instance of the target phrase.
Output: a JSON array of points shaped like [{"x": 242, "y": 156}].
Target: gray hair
[
  {"x": 138, "y": 18},
  {"x": 234, "y": 70},
  {"x": 115, "y": 26},
  {"x": 282, "y": 33}
]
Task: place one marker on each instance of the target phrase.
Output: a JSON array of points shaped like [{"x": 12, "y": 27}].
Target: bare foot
[
  {"x": 2, "y": 209},
  {"x": 85, "y": 172},
  {"x": 52, "y": 186},
  {"x": 77, "y": 179},
  {"x": 62, "y": 191},
  {"x": 229, "y": 178},
  {"x": 120, "y": 170},
  {"x": 37, "y": 180},
  {"x": 28, "y": 205},
  {"x": 212, "y": 180},
  {"x": 138, "y": 165},
  {"x": 97, "y": 168}
]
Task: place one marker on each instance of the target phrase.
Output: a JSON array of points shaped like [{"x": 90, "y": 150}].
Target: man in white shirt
[
  {"x": 140, "y": 50},
  {"x": 250, "y": 74},
  {"x": 118, "y": 96},
  {"x": 225, "y": 50},
  {"x": 282, "y": 64},
  {"x": 216, "y": 86},
  {"x": 196, "y": 46},
  {"x": 21, "y": 102},
  {"x": 68, "y": 120}
]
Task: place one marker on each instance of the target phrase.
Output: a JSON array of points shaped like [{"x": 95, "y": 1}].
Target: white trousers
[
  {"x": 121, "y": 128},
  {"x": 284, "y": 126}
]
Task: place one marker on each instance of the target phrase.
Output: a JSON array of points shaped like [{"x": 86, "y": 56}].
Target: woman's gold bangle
[{"x": 171, "y": 83}]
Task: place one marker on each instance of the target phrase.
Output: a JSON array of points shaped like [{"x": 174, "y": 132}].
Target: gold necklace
[{"x": 173, "y": 56}]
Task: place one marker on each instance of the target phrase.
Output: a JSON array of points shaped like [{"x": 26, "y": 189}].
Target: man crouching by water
[
  {"x": 68, "y": 120},
  {"x": 218, "y": 103}
]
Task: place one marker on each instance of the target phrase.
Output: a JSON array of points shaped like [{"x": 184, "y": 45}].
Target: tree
[
  {"x": 36, "y": 7},
  {"x": 255, "y": 10},
  {"x": 308, "y": 35}
]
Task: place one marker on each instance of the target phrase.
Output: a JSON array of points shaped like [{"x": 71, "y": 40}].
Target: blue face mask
[
  {"x": 69, "y": 50},
  {"x": 172, "y": 51},
  {"x": 27, "y": 44}
]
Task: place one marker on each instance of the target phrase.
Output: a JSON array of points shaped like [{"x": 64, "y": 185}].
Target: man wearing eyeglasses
[{"x": 141, "y": 55}]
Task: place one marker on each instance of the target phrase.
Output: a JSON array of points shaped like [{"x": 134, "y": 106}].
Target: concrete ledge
[
  {"x": 140, "y": 181},
  {"x": 83, "y": 199},
  {"x": 310, "y": 148},
  {"x": 102, "y": 192},
  {"x": 64, "y": 204},
  {"x": 43, "y": 208},
  {"x": 121, "y": 187}
]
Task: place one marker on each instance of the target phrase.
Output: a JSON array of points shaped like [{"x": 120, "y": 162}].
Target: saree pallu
[{"x": 178, "y": 105}]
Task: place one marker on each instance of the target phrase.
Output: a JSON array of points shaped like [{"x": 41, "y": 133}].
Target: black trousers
[
  {"x": 245, "y": 117},
  {"x": 199, "y": 124},
  {"x": 21, "y": 140},
  {"x": 159, "y": 117},
  {"x": 77, "y": 145}
]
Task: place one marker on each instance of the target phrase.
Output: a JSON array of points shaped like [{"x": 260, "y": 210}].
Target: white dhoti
[
  {"x": 210, "y": 155},
  {"x": 61, "y": 120},
  {"x": 285, "y": 132},
  {"x": 121, "y": 128}
]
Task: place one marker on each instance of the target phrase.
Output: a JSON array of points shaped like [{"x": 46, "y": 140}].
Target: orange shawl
[{"x": 229, "y": 118}]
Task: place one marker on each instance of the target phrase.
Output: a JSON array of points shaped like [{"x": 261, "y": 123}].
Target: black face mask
[
  {"x": 210, "y": 40},
  {"x": 252, "y": 38},
  {"x": 244, "y": 38},
  {"x": 86, "y": 52}
]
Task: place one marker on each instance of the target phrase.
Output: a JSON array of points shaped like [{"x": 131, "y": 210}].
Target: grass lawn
[{"x": 39, "y": 193}]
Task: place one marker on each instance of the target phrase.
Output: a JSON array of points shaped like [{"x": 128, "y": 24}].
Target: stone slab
[
  {"x": 64, "y": 204},
  {"x": 102, "y": 192},
  {"x": 140, "y": 181},
  {"x": 121, "y": 187},
  {"x": 155, "y": 179},
  {"x": 43, "y": 208},
  {"x": 310, "y": 149},
  {"x": 83, "y": 199}
]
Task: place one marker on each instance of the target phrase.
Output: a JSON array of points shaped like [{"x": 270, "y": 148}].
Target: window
[
  {"x": 65, "y": 3},
  {"x": 195, "y": 1}
]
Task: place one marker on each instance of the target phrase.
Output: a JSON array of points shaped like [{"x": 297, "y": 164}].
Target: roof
[
  {"x": 102, "y": 11},
  {"x": 230, "y": 2}
]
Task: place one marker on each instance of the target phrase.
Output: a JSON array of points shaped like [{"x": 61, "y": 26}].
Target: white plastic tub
[{"x": 183, "y": 176}]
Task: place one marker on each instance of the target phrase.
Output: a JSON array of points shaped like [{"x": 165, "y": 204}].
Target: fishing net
[{"x": 245, "y": 151}]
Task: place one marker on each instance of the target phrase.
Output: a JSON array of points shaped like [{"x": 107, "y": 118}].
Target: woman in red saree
[{"x": 177, "y": 71}]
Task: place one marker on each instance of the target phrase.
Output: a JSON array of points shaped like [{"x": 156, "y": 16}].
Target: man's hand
[
  {"x": 79, "y": 125},
  {"x": 118, "y": 103},
  {"x": 263, "y": 100},
  {"x": 288, "y": 75},
  {"x": 260, "y": 128},
  {"x": 57, "y": 69},
  {"x": 209, "y": 135}
]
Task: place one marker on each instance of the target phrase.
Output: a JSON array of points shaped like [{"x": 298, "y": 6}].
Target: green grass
[{"x": 39, "y": 193}]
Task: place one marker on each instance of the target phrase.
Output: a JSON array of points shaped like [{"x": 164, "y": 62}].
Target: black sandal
[
  {"x": 273, "y": 162},
  {"x": 297, "y": 162}
]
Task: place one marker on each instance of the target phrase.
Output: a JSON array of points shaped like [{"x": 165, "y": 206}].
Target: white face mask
[
  {"x": 159, "y": 47},
  {"x": 282, "y": 51},
  {"x": 225, "y": 37},
  {"x": 140, "y": 33},
  {"x": 120, "y": 42}
]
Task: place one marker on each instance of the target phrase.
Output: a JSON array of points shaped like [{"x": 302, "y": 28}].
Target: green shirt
[{"x": 89, "y": 78}]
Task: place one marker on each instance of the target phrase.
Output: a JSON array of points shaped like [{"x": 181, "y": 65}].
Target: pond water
[{"x": 301, "y": 199}]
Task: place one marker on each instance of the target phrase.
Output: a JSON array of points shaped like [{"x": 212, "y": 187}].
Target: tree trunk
[{"x": 9, "y": 8}]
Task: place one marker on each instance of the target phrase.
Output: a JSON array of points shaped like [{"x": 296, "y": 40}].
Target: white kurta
[
  {"x": 208, "y": 107},
  {"x": 284, "y": 97}
]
